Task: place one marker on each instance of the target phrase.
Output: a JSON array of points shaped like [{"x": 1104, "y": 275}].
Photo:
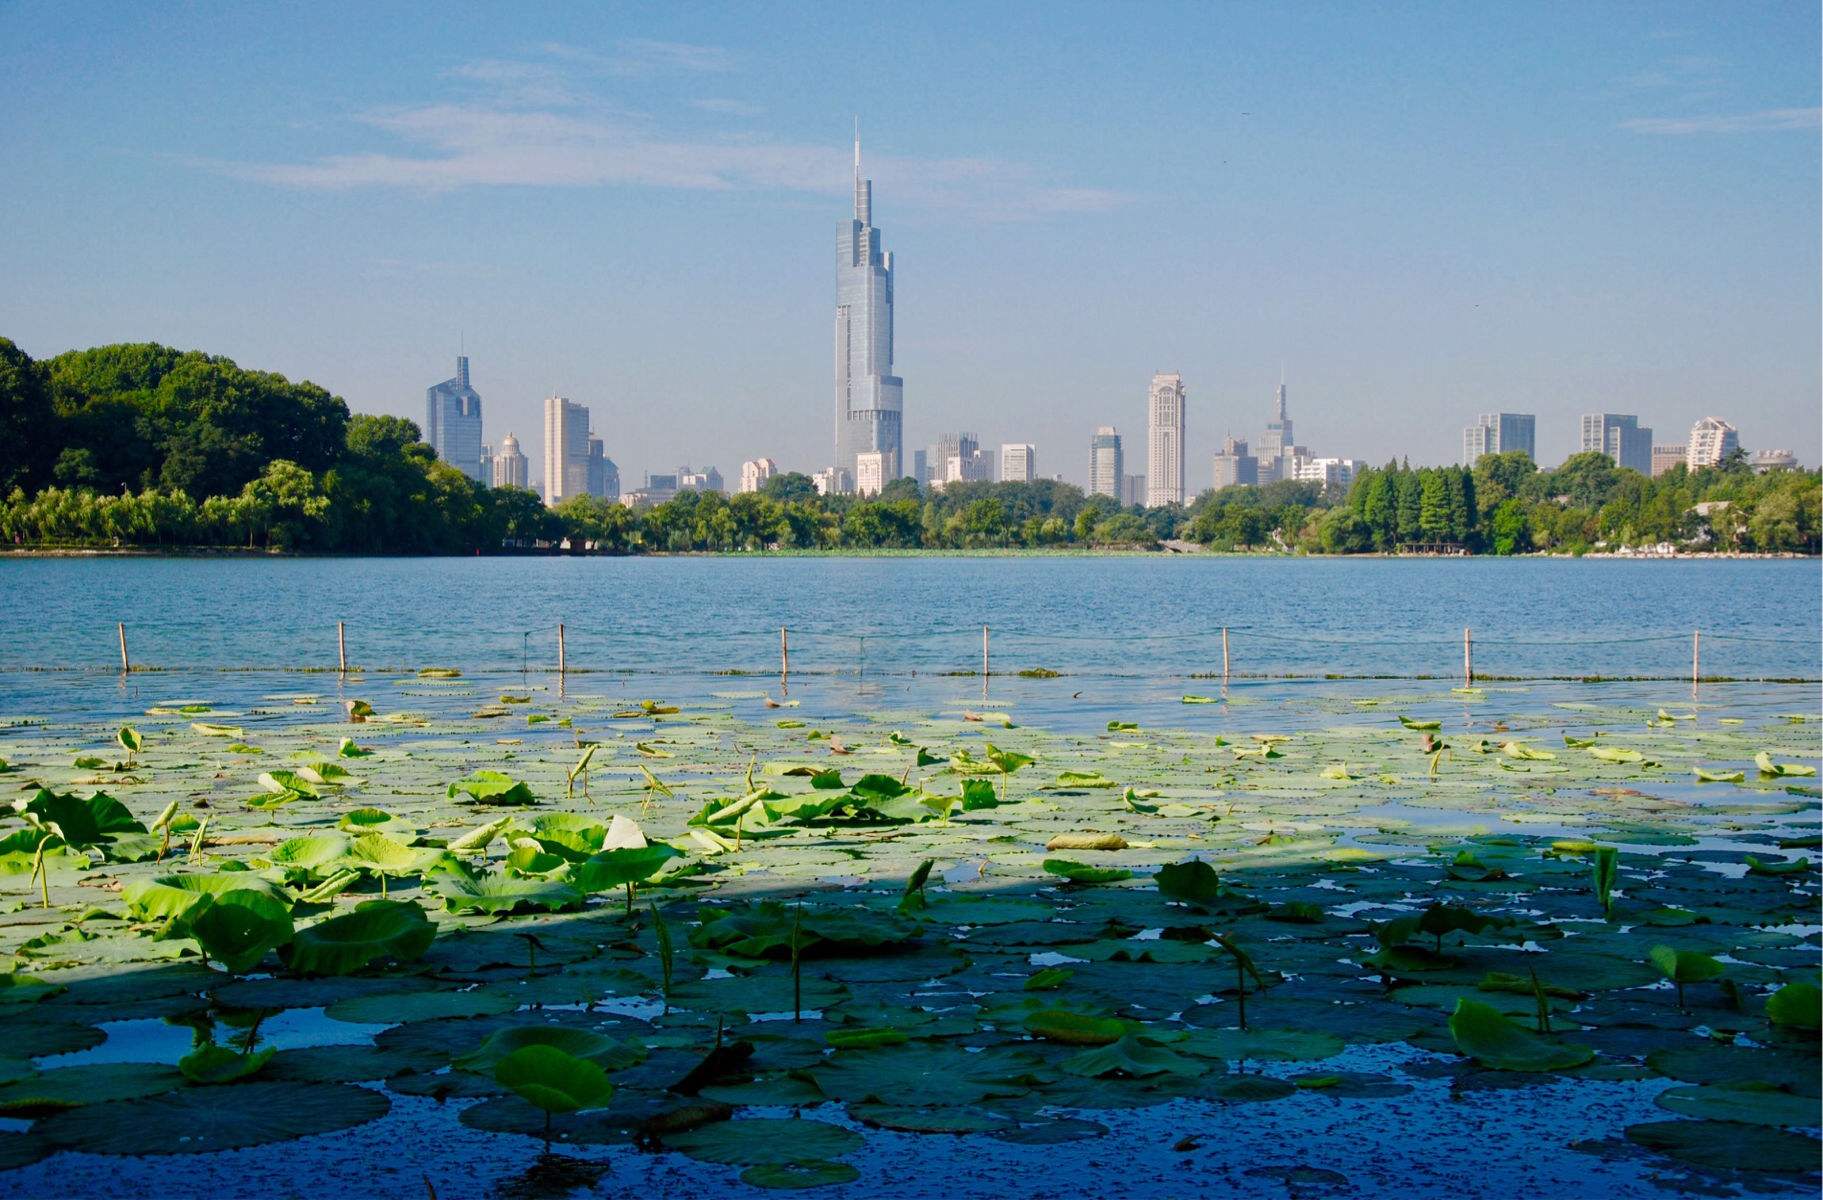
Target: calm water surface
[{"x": 1149, "y": 616}]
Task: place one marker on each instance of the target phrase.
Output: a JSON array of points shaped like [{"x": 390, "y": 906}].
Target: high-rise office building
[
  {"x": 1165, "y": 440},
  {"x": 1277, "y": 441},
  {"x": 566, "y": 449},
  {"x": 1234, "y": 466},
  {"x": 921, "y": 467},
  {"x": 755, "y": 472},
  {"x": 604, "y": 475},
  {"x": 1711, "y": 440},
  {"x": 1105, "y": 465},
  {"x": 1499, "y": 433},
  {"x": 869, "y": 397},
  {"x": 1018, "y": 462},
  {"x": 1621, "y": 437},
  {"x": 510, "y": 464},
  {"x": 956, "y": 456},
  {"x": 1133, "y": 491},
  {"x": 1666, "y": 457},
  {"x": 452, "y": 422}
]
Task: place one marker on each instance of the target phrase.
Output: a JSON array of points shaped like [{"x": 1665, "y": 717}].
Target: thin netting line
[{"x": 933, "y": 672}]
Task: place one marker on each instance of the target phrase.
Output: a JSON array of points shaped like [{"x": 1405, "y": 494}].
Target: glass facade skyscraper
[
  {"x": 452, "y": 422},
  {"x": 1500, "y": 433},
  {"x": 1621, "y": 437},
  {"x": 1105, "y": 465},
  {"x": 869, "y": 397}
]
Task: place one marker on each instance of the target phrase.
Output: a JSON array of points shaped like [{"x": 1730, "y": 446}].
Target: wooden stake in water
[
  {"x": 784, "y": 654},
  {"x": 126, "y": 665},
  {"x": 341, "y": 647},
  {"x": 1696, "y": 655},
  {"x": 1468, "y": 661},
  {"x": 1224, "y": 654},
  {"x": 984, "y": 655},
  {"x": 561, "y": 665}
]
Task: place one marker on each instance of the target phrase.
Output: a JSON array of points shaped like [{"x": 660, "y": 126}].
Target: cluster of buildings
[
  {"x": 869, "y": 425},
  {"x": 1623, "y": 439},
  {"x": 1276, "y": 455}
]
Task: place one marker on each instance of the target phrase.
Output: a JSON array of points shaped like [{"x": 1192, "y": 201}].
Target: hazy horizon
[{"x": 1418, "y": 213}]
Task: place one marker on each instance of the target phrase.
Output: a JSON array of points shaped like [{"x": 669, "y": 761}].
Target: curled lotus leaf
[
  {"x": 1484, "y": 1034},
  {"x": 376, "y": 930}
]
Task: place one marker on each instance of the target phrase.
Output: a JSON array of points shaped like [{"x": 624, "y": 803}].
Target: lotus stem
[{"x": 42, "y": 876}]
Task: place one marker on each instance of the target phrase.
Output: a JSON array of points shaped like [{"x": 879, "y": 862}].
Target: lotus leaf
[
  {"x": 1482, "y": 1033},
  {"x": 376, "y": 930}
]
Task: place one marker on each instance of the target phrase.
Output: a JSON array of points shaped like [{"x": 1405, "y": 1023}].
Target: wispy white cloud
[
  {"x": 540, "y": 122},
  {"x": 1753, "y": 122}
]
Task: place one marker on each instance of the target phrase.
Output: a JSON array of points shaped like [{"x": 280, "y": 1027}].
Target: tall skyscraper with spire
[
  {"x": 452, "y": 422},
  {"x": 869, "y": 397},
  {"x": 1279, "y": 438}
]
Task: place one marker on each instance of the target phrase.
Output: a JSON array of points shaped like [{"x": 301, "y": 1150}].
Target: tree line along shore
[{"x": 143, "y": 447}]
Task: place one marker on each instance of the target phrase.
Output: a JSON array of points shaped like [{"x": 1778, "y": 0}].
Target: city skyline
[{"x": 635, "y": 215}]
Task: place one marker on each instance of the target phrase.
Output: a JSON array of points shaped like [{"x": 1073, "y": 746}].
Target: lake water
[{"x": 1143, "y": 616}]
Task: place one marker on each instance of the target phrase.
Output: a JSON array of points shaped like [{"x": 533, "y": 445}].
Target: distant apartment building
[
  {"x": 1018, "y": 462},
  {"x": 755, "y": 472},
  {"x": 1774, "y": 460},
  {"x": 1621, "y": 437},
  {"x": 1500, "y": 433},
  {"x": 870, "y": 472},
  {"x": 510, "y": 464},
  {"x": 452, "y": 422},
  {"x": 1165, "y": 440},
  {"x": 1666, "y": 457},
  {"x": 1711, "y": 440},
  {"x": 1336, "y": 473},
  {"x": 566, "y": 449},
  {"x": 965, "y": 446},
  {"x": 1105, "y": 463},
  {"x": 604, "y": 475},
  {"x": 966, "y": 468},
  {"x": 1133, "y": 491},
  {"x": 707, "y": 480},
  {"x": 1234, "y": 465},
  {"x": 833, "y": 481}
]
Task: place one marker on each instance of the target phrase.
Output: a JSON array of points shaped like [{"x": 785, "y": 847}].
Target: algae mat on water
[{"x": 761, "y": 947}]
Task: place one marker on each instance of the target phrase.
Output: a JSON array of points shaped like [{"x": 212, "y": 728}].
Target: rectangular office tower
[
  {"x": 1234, "y": 466},
  {"x": 1499, "y": 433},
  {"x": 1105, "y": 465},
  {"x": 566, "y": 450},
  {"x": 1621, "y": 437},
  {"x": 452, "y": 422},
  {"x": 1165, "y": 440},
  {"x": 1018, "y": 462},
  {"x": 869, "y": 397}
]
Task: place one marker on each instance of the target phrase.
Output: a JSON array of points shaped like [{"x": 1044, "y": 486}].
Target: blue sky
[{"x": 1423, "y": 211}]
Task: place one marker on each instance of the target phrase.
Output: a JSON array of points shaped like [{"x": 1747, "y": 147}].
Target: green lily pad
[
  {"x": 765, "y": 1141},
  {"x": 201, "y": 1120}
]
